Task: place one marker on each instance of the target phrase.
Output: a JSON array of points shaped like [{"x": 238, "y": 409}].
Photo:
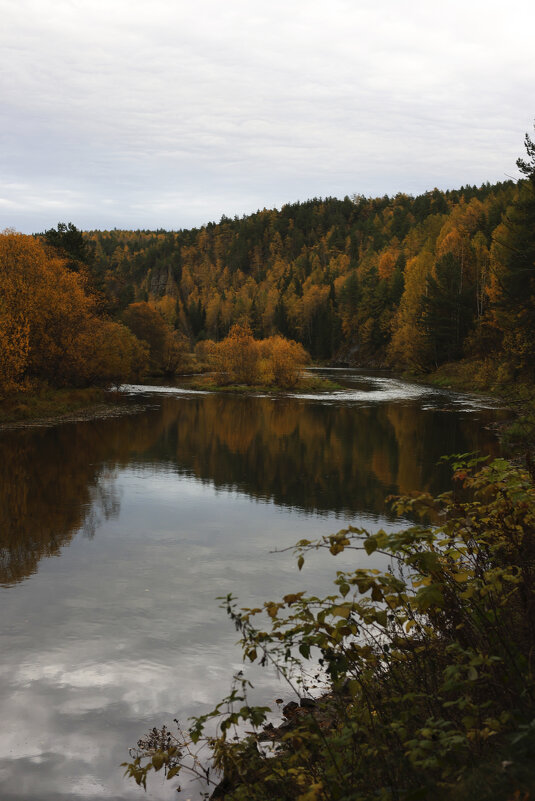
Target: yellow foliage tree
[
  {"x": 407, "y": 343},
  {"x": 284, "y": 360},
  {"x": 244, "y": 360},
  {"x": 236, "y": 357},
  {"x": 108, "y": 353},
  {"x": 49, "y": 330}
]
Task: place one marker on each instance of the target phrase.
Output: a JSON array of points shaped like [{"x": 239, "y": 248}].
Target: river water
[{"x": 117, "y": 535}]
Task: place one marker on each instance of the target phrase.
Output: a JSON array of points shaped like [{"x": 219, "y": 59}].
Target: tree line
[{"x": 407, "y": 282}]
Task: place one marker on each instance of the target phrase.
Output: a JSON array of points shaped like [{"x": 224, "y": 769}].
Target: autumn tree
[
  {"x": 15, "y": 327},
  {"x": 149, "y": 326},
  {"x": 43, "y": 308},
  {"x": 168, "y": 349},
  {"x": 348, "y": 303},
  {"x": 108, "y": 353},
  {"x": 408, "y": 343},
  {"x": 49, "y": 328},
  {"x": 282, "y": 361},
  {"x": 236, "y": 357},
  {"x": 175, "y": 356},
  {"x": 239, "y": 358}
]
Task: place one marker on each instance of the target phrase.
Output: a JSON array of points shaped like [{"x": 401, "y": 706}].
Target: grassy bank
[
  {"x": 308, "y": 383},
  {"x": 47, "y": 403},
  {"x": 497, "y": 380}
]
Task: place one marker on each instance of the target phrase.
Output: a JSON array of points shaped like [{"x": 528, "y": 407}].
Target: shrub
[
  {"x": 236, "y": 357},
  {"x": 241, "y": 359},
  {"x": 284, "y": 359},
  {"x": 424, "y": 672}
]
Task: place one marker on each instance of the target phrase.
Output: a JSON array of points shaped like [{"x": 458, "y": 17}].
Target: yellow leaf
[{"x": 341, "y": 611}]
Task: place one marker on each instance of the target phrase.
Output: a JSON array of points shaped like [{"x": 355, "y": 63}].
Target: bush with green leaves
[{"x": 423, "y": 672}]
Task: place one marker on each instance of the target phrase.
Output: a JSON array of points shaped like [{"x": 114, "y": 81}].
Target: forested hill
[{"x": 403, "y": 281}]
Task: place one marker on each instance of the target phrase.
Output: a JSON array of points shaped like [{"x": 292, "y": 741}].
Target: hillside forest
[{"x": 405, "y": 282}]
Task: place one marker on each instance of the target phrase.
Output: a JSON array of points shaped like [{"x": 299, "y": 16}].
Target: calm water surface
[{"x": 117, "y": 535}]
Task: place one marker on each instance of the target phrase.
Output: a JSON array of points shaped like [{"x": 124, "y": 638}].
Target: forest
[
  {"x": 405, "y": 282},
  {"x": 352, "y": 279}
]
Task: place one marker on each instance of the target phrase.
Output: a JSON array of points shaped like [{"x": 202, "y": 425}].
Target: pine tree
[
  {"x": 516, "y": 248},
  {"x": 448, "y": 310}
]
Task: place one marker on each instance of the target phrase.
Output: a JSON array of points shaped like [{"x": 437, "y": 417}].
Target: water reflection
[
  {"x": 314, "y": 456},
  {"x": 53, "y": 482},
  {"x": 310, "y": 455},
  {"x": 187, "y": 502}
]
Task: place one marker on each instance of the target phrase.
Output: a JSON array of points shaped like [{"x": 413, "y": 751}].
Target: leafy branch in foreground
[{"x": 425, "y": 669}]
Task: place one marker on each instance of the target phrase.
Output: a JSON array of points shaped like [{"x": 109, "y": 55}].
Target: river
[{"x": 117, "y": 535}]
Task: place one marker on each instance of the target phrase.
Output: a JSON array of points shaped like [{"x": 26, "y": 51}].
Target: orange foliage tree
[
  {"x": 235, "y": 358},
  {"x": 282, "y": 361},
  {"x": 49, "y": 329},
  {"x": 239, "y": 358}
]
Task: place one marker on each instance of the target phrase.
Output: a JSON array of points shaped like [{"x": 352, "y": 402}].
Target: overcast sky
[{"x": 168, "y": 114}]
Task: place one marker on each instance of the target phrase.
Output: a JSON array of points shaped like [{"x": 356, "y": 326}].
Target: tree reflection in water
[
  {"x": 53, "y": 483},
  {"x": 310, "y": 455}
]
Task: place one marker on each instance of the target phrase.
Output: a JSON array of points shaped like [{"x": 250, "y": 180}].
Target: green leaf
[
  {"x": 426, "y": 597},
  {"x": 460, "y": 578},
  {"x": 381, "y": 618},
  {"x": 370, "y": 545},
  {"x": 173, "y": 771},
  {"x": 157, "y": 761},
  {"x": 472, "y": 673},
  {"x": 304, "y": 650}
]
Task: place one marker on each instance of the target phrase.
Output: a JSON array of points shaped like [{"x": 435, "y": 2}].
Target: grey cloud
[{"x": 224, "y": 108}]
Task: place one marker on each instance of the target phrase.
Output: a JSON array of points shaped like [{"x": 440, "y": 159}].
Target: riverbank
[
  {"x": 307, "y": 383},
  {"x": 517, "y": 435},
  {"x": 48, "y": 406}
]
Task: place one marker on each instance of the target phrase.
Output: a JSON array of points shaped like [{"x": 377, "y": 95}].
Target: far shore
[{"x": 46, "y": 407}]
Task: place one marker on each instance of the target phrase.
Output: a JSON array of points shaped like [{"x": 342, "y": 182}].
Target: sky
[{"x": 169, "y": 114}]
